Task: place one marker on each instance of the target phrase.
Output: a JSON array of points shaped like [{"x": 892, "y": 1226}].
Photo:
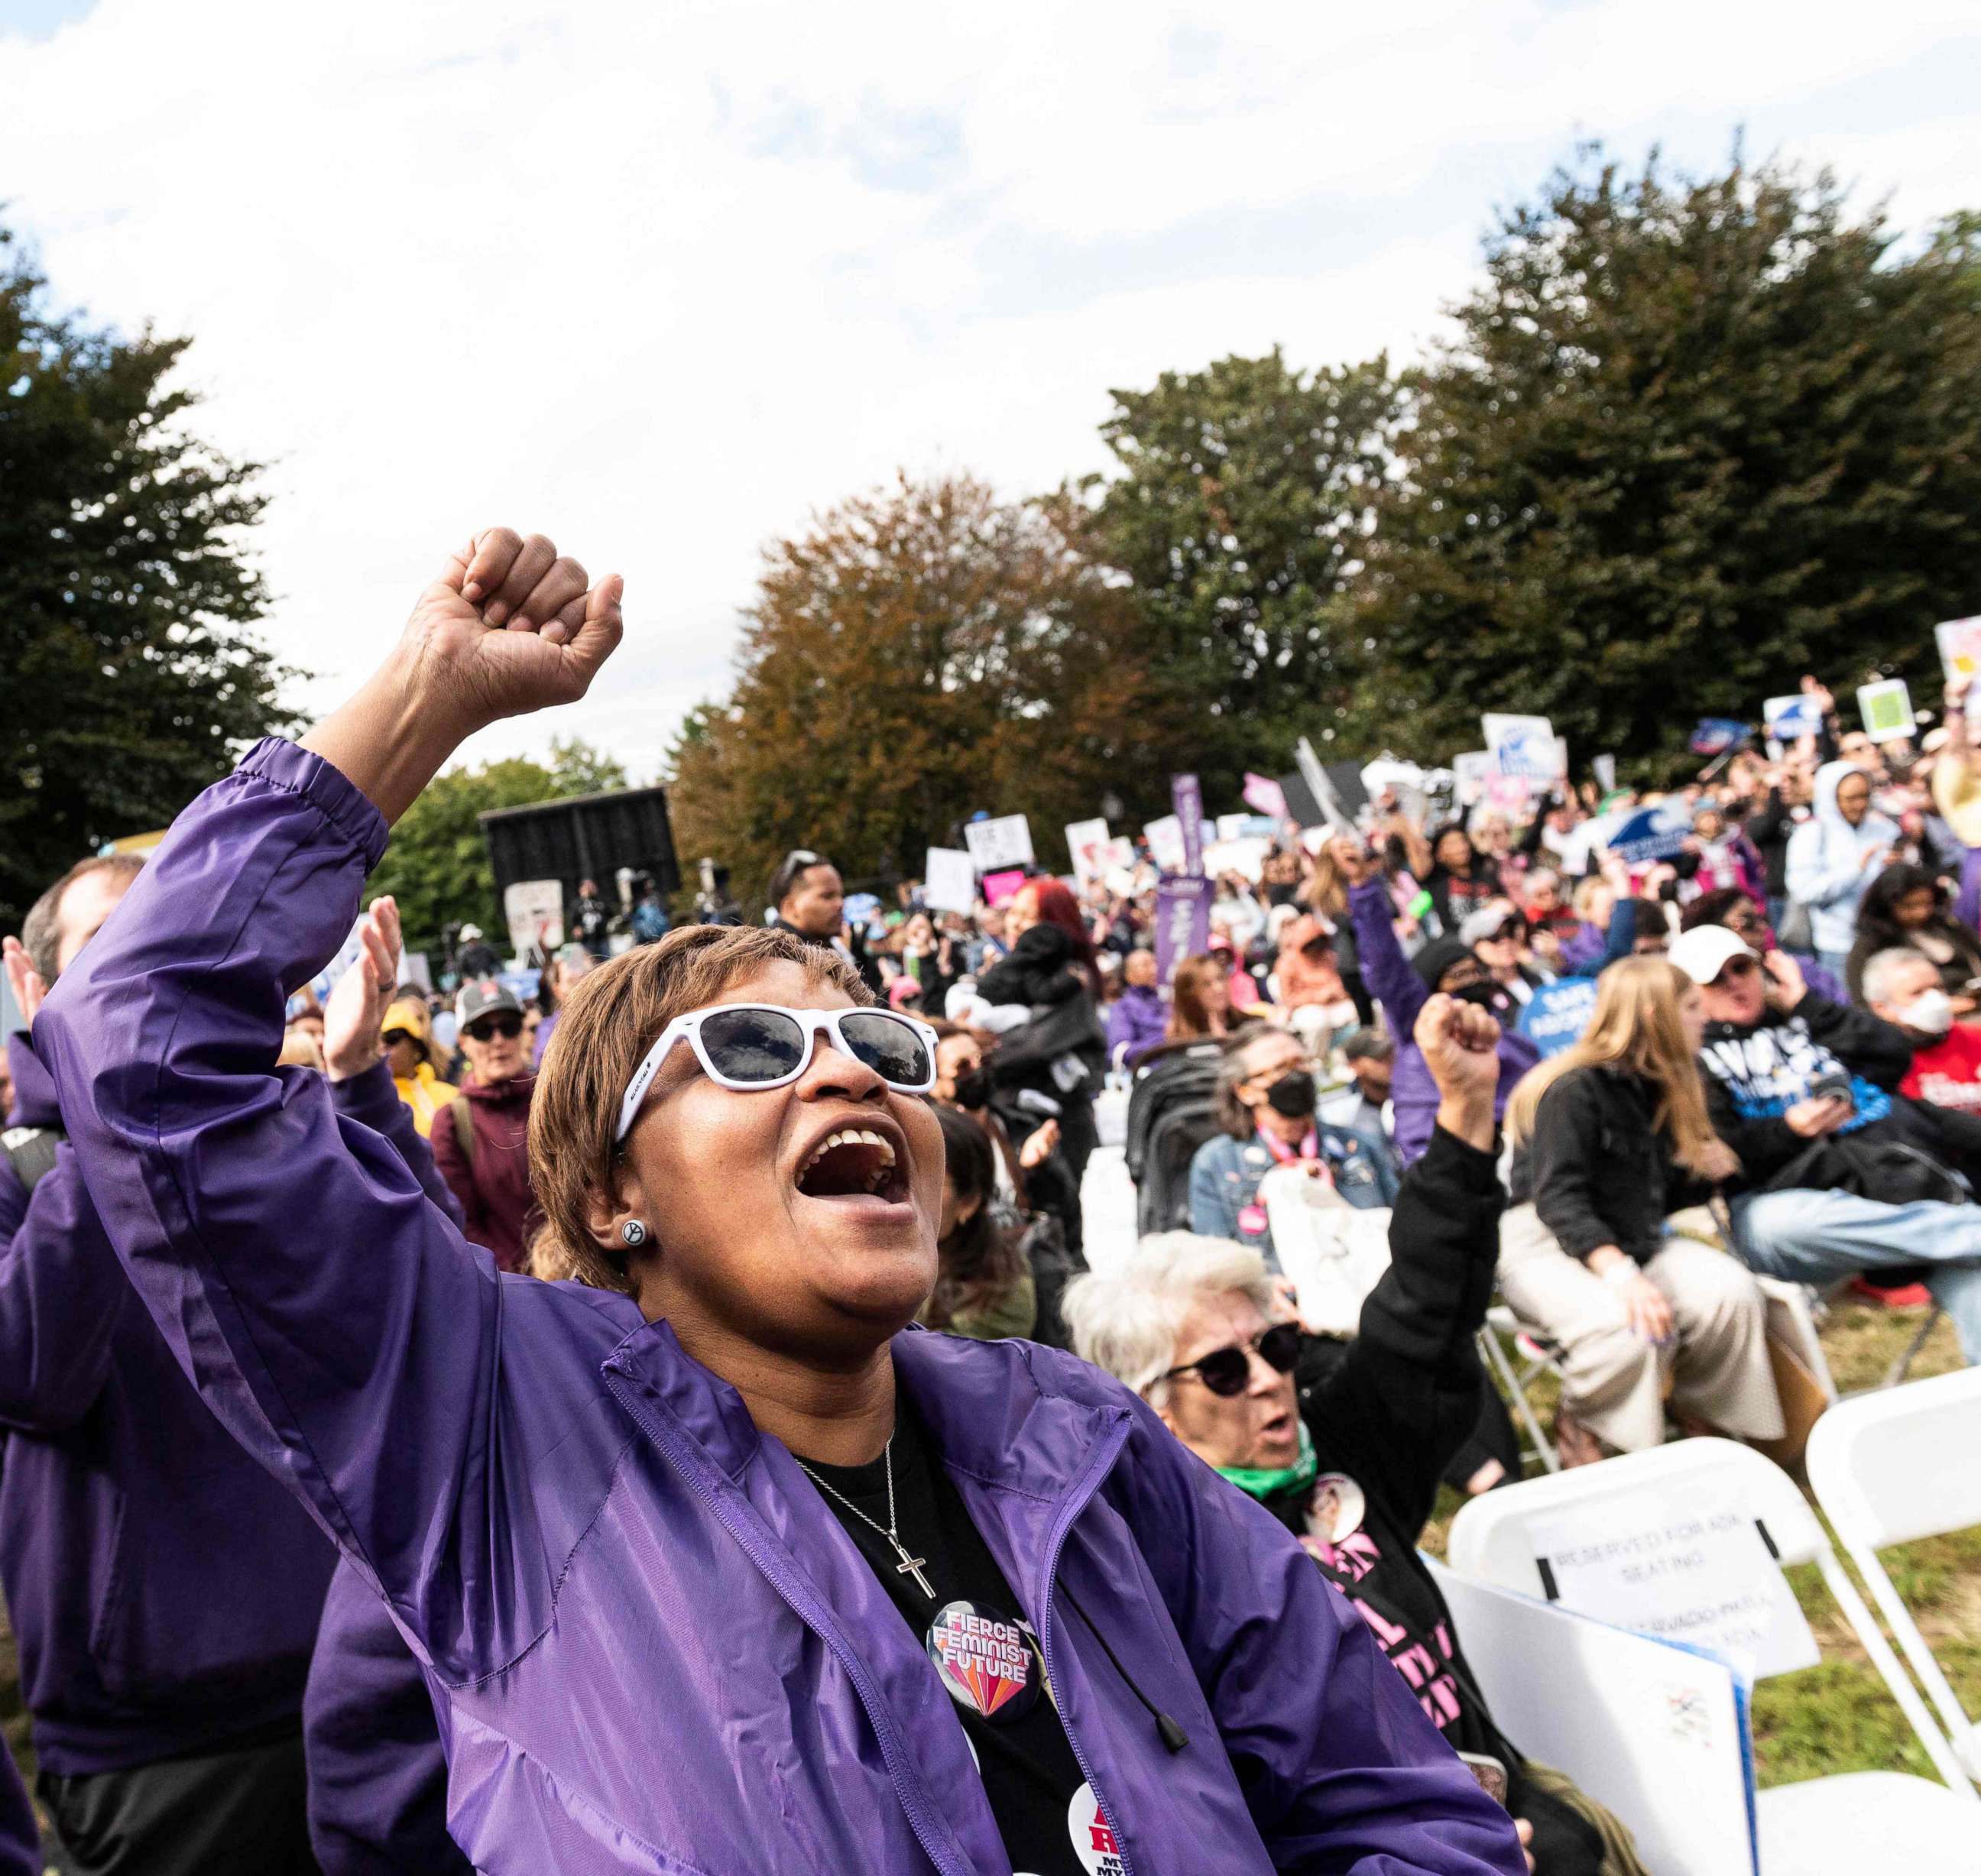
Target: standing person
[
  {"x": 164, "y": 1589},
  {"x": 571, "y": 962},
  {"x": 591, "y": 918},
  {"x": 650, "y": 921},
  {"x": 409, "y": 1053},
  {"x": 1462, "y": 879},
  {"x": 808, "y": 899},
  {"x": 1610, "y": 1137},
  {"x": 1956, "y": 792},
  {"x": 1905, "y": 909},
  {"x": 476, "y": 956},
  {"x": 680, "y": 1552},
  {"x": 1834, "y": 855},
  {"x": 481, "y": 1151},
  {"x": 1137, "y": 1020}
]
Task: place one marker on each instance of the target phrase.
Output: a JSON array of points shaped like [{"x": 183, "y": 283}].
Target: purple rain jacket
[
  {"x": 378, "y": 1777},
  {"x": 653, "y": 1648},
  {"x": 20, "y": 1837},
  {"x": 164, "y": 1593}
]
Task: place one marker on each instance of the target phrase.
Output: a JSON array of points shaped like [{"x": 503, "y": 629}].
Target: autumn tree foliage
[{"x": 920, "y": 653}]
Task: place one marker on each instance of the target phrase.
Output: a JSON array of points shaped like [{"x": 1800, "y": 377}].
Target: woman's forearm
[{"x": 389, "y": 740}]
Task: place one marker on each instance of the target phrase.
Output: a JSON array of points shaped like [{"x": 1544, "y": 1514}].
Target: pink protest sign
[{"x": 1000, "y": 887}]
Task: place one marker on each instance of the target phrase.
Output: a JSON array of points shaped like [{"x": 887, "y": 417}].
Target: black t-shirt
[{"x": 977, "y": 1639}]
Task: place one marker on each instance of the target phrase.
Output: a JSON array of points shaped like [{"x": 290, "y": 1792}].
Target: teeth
[{"x": 854, "y": 1136}]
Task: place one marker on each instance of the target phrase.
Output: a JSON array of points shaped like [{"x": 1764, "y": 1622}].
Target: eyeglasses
[
  {"x": 508, "y": 1025},
  {"x": 1227, "y": 1371},
  {"x": 751, "y": 1048}
]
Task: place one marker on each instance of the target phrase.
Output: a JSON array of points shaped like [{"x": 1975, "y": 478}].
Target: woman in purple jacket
[{"x": 711, "y": 1566}]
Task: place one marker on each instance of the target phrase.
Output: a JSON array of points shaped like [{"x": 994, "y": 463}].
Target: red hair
[{"x": 1055, "y": 905}]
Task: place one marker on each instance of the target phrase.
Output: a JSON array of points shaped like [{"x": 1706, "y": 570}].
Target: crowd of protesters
[{"x": 486, "y": 1430}]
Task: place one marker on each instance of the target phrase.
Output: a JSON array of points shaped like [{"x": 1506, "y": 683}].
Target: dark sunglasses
[
  {"x": 395, "y": 1037},
  {"x": 507, "y": 1026},
  {"x": 1227, "y": 1371},
  {"x": 1737, "y": 968}
]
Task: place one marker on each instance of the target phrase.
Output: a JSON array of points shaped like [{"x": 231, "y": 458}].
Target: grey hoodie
[{"x": 1826, "y": 871}]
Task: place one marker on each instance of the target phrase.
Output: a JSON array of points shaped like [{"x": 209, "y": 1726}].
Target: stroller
[{"x": 1172, "y": 1111}]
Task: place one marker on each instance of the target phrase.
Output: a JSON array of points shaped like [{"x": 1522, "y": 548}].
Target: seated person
[
  {"x": 1138, "y": 1020},
  {"x": 1194, "y": 1325},
  {"x": 1907, "y": 908},
  {"x": 983, "y": 1287},
  {"x": 1363, "y": 1107},
  {"x": 1803, "y": 1090},
  {"x": 1611, "y": 1136},
  {"x": 1265, "y": 1101},
  {"x": 1744, "y": 916},
  {"x": 1905, "y": 989}
]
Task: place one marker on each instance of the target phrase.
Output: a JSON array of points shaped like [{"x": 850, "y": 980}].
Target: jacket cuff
[
  {"x": 1470, "y": 1166},
  {"x": 299, "y": 771},
  {"x": 370, "y": 1091}
]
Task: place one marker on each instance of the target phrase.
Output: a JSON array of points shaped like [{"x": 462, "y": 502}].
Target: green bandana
[{"x": 1258, "y": 1483}]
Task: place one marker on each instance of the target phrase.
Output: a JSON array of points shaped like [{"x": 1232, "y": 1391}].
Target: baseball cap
[
  {"x": 1487, "y": 922},
  {"x": 468, "y": 932},
  {"x": 1705, "y": 951},
  {"x": 483, "y": 997}
]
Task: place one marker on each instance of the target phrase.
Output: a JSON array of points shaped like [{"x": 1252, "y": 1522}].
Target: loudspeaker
[{"x": 588, "y": 837}]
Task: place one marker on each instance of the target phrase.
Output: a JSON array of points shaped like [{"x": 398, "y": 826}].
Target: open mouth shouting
[{"x": 855, "y": 1165}]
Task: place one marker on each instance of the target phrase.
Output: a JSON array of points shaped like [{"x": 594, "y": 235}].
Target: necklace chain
[{"x": 910, "y": 1565}]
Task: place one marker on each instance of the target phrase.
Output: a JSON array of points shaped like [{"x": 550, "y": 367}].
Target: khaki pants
[{"x": 1715, "y": 1368}]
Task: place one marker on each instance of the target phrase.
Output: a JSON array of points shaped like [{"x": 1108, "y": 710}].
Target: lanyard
[{"x": 1310, "y": 1148}]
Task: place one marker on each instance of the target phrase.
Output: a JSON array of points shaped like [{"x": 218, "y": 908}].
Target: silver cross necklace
[{"x": 908, "y": 1565}]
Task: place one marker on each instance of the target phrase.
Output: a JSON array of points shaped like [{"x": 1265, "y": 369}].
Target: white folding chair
[
  {"x": 1893, "y": 1466},
  {"x": 1501, "y": 1322},
  {"x": 1865, "y": 1822}
]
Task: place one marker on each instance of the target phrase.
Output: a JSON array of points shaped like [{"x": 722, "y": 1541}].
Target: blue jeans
[
  {"x": 1819, "y": 1237},
  {"x": 1836, "y": 963}
]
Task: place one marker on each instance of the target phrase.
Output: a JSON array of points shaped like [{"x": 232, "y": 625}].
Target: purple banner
[
  {"x": 1187, "y": 799},
  {"x": 1182, "y": 924}
]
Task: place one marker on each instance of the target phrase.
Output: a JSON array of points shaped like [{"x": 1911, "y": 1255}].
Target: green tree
[
  {"x": 1241, "y": 513},
  {"x": 126, "y": 591},
  {"x": 1695, "y": 438},
  {"x": 437, "y": 865},
  {"x": 923, "y": 651}
]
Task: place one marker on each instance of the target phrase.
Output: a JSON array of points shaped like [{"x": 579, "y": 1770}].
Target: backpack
[
  {"x": 30, "y": 1153},
  {"x": 463, "y": 1122}
]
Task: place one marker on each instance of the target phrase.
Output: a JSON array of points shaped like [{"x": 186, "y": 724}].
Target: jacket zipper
[
  {"x": 822, "y": 1625},
  {"x": 1102, "y": 1463}
]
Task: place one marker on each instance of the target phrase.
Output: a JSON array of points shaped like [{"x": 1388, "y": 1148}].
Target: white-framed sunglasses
[{"x": 751, "y": 1048}]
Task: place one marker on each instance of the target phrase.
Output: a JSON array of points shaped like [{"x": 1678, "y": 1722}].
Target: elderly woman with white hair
[{"x": 1351, "y": 1464}]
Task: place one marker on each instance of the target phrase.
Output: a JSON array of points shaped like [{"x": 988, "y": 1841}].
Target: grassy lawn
[{"x": 1836, "y": 1716}]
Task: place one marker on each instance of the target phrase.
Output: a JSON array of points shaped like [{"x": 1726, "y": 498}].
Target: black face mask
[
  {"x": 973, "y": 1088},
  {"x": 1293, "y": 1096},
  {"x": 1486, "y": 993}
]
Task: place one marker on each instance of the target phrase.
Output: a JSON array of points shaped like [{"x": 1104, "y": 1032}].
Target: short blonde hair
[
  {"x": 1127, "y": 1323},
  {"x": 613, "y": 1016}
]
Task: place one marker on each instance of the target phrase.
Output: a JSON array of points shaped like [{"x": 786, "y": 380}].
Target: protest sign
[
  {"x": 1320, "y": 785},
  {"x": 1691, "y": 1570},
  {"x": 1005, "y": 841},
  {"x": 1000, "y": 887},
  {"x": 1263, "y": 793},
  {"x": 1087, "y": 844},
  {"x": 1302, "y": 806},
  {"x": 1887, "y": 709},
  {"x": 1557, "y": 1014},
  {"x": 949, "y": 880},
  {"x": 1651, "y": 833},
  {"x": 1245, "y": 856},
  {"x": 523, "y": 985},
  {"x": 1247, "y": 827},
  {"x": 1469, "y": 771},
  {"x": 1187, "y": 799},
  {"x": 1960, "y": 642},
  {"x": 1523, "y": 746},
  {"x": 1183, "y": 923},
  {"x": 534, "y": 910},
  {"x": 1604, "y": 768},
  {"x": 1790, "y": 718},
  {"x": 1165, "y": 843},
  {"x": 1716, "y": 735}
]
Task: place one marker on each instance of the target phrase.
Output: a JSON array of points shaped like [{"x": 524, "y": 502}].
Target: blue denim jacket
[{"x": 1224, "y": 1184}]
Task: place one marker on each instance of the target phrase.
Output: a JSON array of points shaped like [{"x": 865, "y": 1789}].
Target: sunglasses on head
[
  {"x": 508, "y": 1025},
  {"x": 1228, "y": 1371},
  {"x": 751, "y": 1048}
]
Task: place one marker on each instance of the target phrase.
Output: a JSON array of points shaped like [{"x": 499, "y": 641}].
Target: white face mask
[{"x": 1930, "y": 1013}]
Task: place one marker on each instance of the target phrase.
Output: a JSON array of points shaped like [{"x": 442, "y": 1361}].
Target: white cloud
[{"x": 662, "y": 281}]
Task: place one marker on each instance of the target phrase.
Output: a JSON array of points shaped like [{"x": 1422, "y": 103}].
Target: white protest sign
[
  {"x": 1087, "y": 842},
  {"x": 1960, "y": 642},
  {"x": 1791, "y": 717},
  {"x": 1696, "y": 1571},
  {"x": 1165, "y": 839},
  {"x": 1887, "y": 710},
  {"x": 995, "y": 845},
  {"x": 1604, "y": 768},
  {"x": 1469, "y": 770},
  {"x": 534, "y": 909},
  {"x": 949, "y": 880},
  {"x": 1523, "y": 746}
]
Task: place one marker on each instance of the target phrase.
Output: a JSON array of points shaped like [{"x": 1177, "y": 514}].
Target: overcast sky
[{"x": 661, "y": 280}]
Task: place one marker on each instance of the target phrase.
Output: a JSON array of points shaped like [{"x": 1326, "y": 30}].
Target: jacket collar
[
  {"x": 997, "y": 1411},
  {"x": 35, "y": 1104}
]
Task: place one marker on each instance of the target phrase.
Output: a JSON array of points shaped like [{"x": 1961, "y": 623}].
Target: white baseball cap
[{"x": 1705, "y": 951}]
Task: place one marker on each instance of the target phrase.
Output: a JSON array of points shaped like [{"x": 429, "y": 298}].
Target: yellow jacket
[{"x": 426, "y": 1094}]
